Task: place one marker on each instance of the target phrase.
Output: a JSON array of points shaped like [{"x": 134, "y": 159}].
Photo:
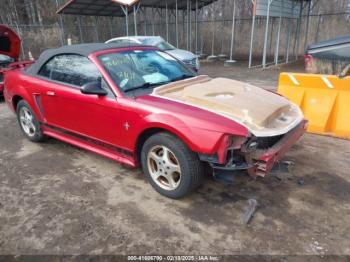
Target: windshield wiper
[
  {"x": 146, "y": 85},
  {"x": 149, "y": 84}
]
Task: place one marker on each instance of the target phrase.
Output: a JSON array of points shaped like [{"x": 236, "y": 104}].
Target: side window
[
  {"x": 74, "y": 70},
  {"x": 47, "y": 68},
  {"x": 116, "y": 41},
  {"x": 123, "y": 41}
]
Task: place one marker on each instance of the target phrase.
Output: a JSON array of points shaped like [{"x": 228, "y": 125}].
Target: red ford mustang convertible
[{"x": 139, "y": 105}]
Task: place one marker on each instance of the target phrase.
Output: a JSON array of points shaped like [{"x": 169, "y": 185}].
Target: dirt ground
[{"x": 58, "y": 199}]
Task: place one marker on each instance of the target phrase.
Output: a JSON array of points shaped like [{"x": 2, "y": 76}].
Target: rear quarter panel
[{"x": 17, "y": 83}]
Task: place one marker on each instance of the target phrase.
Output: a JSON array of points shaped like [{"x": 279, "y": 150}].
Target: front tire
[
  {"x": 170, "y": 166},
  {"x": 28, "y": 122}
]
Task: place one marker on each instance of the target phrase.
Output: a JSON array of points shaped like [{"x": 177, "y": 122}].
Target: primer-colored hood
[
  {"x": 262, "y": 112},
  {"x": 10, "y": 43}
]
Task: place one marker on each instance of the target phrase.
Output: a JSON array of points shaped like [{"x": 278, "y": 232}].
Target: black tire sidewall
[
  {"x": 172, "y": 143},
  {"x": 38, "y": 137}
]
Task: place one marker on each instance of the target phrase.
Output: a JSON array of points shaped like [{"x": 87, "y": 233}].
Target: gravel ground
[{"x": 58, "y": 199}]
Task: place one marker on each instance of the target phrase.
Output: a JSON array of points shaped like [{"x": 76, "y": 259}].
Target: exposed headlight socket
[{"x": 250, "y": 146}]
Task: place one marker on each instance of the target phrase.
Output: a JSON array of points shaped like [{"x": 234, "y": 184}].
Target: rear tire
[
  {"x": 170, "y": 166},
  {"x": 28, "y": 122}
]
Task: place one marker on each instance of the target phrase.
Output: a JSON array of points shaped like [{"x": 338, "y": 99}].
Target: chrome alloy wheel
[
  {"x": 27, "y": 121},
  {"x": 164, "y": 167}
]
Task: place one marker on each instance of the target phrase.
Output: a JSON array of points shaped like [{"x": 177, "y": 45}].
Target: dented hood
[
  {"x": 262, "y": 112},
  {"x": 10, "y": 43}
]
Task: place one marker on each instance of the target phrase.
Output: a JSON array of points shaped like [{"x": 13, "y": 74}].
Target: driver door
[{"x": 68, "y": 110}]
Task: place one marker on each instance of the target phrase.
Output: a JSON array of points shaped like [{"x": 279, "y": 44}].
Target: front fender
[{"x": 197, "y": 139}]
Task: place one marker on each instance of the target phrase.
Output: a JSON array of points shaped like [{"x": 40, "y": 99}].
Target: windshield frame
[{"x": 95, "y": 57}]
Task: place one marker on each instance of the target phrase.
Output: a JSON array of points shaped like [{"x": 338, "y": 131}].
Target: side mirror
[
  {"x": 93, "y": 88},
  {"x": 345, "y": 72}
]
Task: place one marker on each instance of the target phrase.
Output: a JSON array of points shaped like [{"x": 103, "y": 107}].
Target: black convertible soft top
[{"x": 80, "y": 49}]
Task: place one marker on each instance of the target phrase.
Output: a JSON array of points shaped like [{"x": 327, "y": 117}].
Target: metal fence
[{"x": 213, "y": 36}]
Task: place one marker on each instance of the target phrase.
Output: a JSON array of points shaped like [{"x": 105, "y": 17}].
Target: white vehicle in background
[{"x": 184, "y": 56}]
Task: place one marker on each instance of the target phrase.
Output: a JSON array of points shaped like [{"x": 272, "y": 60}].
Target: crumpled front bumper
[
  {"x": 264, "y": 160},
  {"x": 258, "y": 162}
]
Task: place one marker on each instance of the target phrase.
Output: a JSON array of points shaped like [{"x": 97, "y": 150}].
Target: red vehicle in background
[
  {"x": 140, "y": 106},
  {"x": 328, "y": 57},
  {"x": 10, "y": 45}
]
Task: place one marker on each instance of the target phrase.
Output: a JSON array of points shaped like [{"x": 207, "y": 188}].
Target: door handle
[{"x": 50, "y": 93}]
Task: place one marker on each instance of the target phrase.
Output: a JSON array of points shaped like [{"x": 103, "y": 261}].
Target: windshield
[
  {"x": 138, "y": 69},
  {"x": 158, "y": 42}
]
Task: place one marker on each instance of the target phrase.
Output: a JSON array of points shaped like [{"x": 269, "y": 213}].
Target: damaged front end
[
  {"x": 255, "y": 156},
  {"x": 271, "y": 149},
  {"x": 9, "y": 51},
  {"x": 273, "y": 122}
]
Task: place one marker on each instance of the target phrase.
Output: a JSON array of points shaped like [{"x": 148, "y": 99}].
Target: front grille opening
[{"x": 234, "y": 156}]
